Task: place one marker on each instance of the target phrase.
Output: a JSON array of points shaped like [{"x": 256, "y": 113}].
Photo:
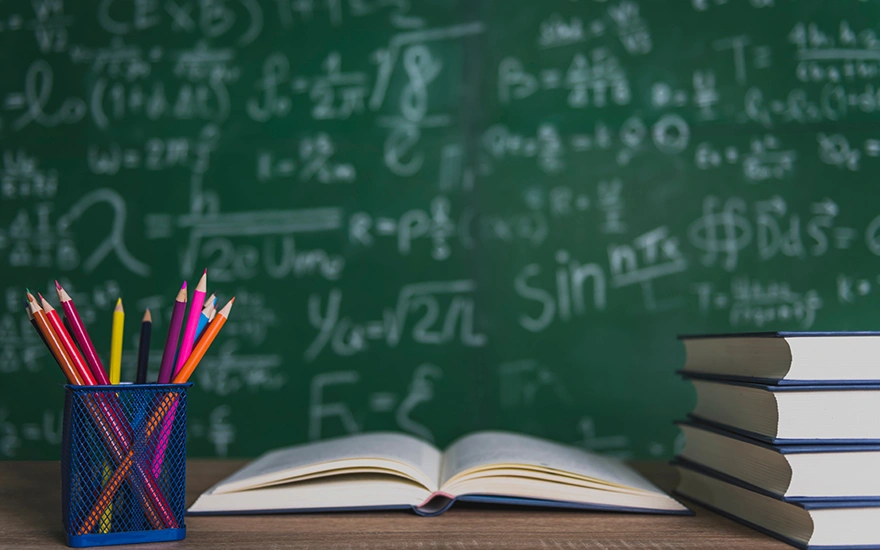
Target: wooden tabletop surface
[{"x": 30, "y": 517}]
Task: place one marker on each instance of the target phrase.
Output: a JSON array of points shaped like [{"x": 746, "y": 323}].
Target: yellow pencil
[
  {"x": 115, "y": 368},
  {"x": 116, "y": 342}
]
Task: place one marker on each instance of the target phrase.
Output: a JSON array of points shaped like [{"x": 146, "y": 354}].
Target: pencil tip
[
  {"x": 184, "y": 285},
  {"x": 57, "y": 284},
  {"x": 119, "y": 304},
  {"x": 40, "y": 296},
  {"x": 205, "y": 272},
  {"x": 147, "y": 317},
  {"x": 203, "y": 282}
]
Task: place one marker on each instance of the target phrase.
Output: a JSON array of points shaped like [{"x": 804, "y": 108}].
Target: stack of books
[{"x": 785, "y": 436}]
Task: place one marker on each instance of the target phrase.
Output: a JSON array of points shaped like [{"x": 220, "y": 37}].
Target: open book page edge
[
  {"x": 326, "y": 469},
  {"x": 551, "y": 475},
  {"x": 418, "y": 458},
  {"x": 353, "y": 491},
  {"x": 509, "y": 487},
  {"x": 485, "y": 450},
  {"x": 546, "y": 477},
  {"x": 333, "y": 473}
]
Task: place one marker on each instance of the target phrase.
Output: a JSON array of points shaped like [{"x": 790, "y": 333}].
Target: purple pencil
[{"x": 166, "y": 370}]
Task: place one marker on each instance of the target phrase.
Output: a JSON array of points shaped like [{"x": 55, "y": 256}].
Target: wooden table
[{"x": 30, "y": 517}]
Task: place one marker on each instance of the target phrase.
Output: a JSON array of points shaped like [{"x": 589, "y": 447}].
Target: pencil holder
[{"x": 123, "y": 464}]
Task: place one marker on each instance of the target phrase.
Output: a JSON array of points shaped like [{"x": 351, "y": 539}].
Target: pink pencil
[{"x": 192, "y": 322}]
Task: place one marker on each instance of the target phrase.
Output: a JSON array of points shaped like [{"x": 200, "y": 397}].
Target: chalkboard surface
[{"x": 436, "y": 216}]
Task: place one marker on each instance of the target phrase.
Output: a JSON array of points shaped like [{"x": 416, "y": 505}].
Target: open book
[{"x": 387, "y": 470}]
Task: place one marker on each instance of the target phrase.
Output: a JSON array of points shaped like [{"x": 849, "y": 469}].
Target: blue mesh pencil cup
[{"x": 123, "y": 464}]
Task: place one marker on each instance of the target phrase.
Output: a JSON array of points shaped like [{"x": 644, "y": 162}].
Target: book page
[
  {"x": 410, "y": 456},
  {"x": 336, "y": 492},
  {"x": 487, "y": 449}
]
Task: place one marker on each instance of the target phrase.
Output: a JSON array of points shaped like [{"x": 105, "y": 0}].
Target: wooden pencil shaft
[
  {"x": 116, "y": 343},
  {"x": 55, "y": 346},
  {"x": 82, "y": 337},
  {"x": 64, "y": 336},
  {"x": 192, "y": 321}
]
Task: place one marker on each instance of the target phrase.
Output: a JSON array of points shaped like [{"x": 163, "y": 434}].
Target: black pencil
[{"x": 144, "y": 349}]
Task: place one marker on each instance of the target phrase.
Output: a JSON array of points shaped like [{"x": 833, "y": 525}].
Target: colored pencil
[
  {"x": 55, "y": 345},
  {"x": 166, "y": 370},
  {"x": 81, "y": 336},
  {"x": 116, "y": 342},
  {"x": 67, "y": 342},
  {"x": 115, "y": 373},
  {"x": 27, "y": 308},
  {"x": 204, "y": 319},
  {"x": 192, "y": 322},
  {"x": 144, "y": 348},
  {"x": 204, "y": 343}
]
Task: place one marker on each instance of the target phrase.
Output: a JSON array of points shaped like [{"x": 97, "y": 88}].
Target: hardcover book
[
  {"x": 818, "y": 525},
  {"x": 791, "y": 414},
  {"x": 797, "y": 473},
  {"x": 785, "y": 357}
]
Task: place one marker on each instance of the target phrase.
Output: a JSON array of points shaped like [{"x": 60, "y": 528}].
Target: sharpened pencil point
[
  {"x": 202, "y": 286},
  {"x": 184, "y": 285},
  {"x": 45, "y": 303},
  {"x": 57, "y": 284},
  {"x": 119, "y": 304},
  {"x": 147, "y": 317}
]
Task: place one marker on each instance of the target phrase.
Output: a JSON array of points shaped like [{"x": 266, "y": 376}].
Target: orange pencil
[
  {"x": 67, "y": 342},
  {"x": 204, "y": 343},
  {"x": 55, "y": 346}
]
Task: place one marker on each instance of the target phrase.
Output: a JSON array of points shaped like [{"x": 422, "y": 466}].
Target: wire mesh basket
[{"x": 123, "y": 463}]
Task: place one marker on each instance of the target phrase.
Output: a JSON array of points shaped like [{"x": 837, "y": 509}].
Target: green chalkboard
[{"x": 435, "y": 216}]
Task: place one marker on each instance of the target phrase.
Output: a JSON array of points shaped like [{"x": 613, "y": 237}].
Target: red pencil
[
  {"x": 82, "y": 337},
  {"x": 67, "y": 342}
]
